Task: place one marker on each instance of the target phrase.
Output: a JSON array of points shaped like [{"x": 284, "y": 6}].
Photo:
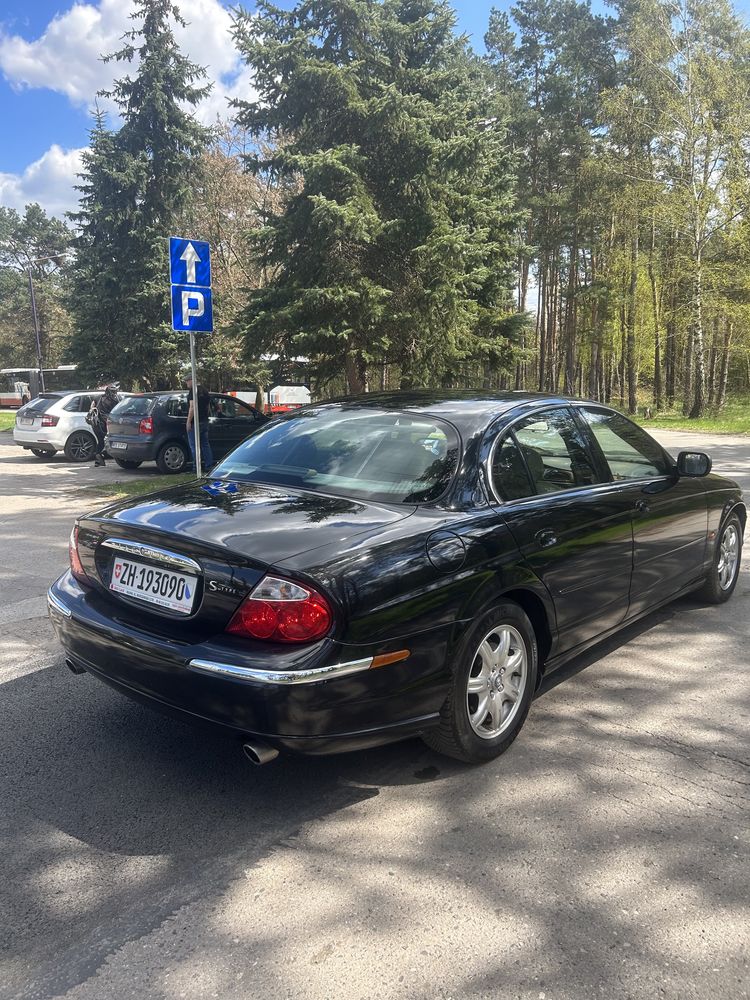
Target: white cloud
[
  {"x": 49, "y": 180},
  {"x": 67, "y": 57}
]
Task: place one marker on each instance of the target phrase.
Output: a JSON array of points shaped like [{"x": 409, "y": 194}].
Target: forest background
[{"x": 566, "y": 211}]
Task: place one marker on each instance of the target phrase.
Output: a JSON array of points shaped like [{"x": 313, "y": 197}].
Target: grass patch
[
  {"x": 7, "y": 420},
  {"x": 135, "y": 487},
  {"x": 733, "y": 419}
]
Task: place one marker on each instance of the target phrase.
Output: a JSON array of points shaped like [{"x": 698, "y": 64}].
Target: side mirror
[{"x": 693, "y": 463}]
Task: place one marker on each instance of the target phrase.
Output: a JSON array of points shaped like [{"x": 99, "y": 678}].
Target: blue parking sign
[
  {"x": 192, "y": 309},
  {"x": 189, "y": 262}
]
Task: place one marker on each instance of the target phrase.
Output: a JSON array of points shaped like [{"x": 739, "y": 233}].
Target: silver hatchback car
[{"x": 56, "y": 421}]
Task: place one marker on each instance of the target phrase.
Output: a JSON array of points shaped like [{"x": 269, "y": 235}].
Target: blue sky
[{"x": 50, "y": 72}]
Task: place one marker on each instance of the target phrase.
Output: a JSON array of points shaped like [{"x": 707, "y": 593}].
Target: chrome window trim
[
  {"x": 284, "y": 677},
  {"x": 55, "y": 604},
  {"x": 153, "y": 552}
]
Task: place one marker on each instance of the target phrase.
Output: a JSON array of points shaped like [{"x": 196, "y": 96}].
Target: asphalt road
[{"x": 605, "y": 855}]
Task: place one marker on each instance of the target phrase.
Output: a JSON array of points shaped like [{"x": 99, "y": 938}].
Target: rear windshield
[
  {"x": 39, "y": 405},
  {"x": 134, "y": 406},
  {"x": 369, "y": 454}
]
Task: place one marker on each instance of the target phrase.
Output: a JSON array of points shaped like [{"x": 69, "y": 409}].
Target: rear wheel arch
[
  {"x": 531, "y": 603},
  {"x": 536, "y": 612}
]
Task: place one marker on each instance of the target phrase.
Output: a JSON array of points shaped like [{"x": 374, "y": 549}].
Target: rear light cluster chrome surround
[
  {"x": 76, "y": 566},
  {"x": 48, "y": 421},
  {"x": 280, "y": 610}
]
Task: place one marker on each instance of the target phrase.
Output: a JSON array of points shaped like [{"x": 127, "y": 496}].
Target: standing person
[
  {"x": 203, "y": 400},
  {"x": 98, "y": 416}
]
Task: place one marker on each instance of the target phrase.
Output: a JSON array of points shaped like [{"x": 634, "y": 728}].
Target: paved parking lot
[{"x": 606, "y": 855}]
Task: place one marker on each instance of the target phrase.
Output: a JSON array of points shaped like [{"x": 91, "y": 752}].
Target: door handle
[
  {"x": 642, "y": 506},
  {"x": 546, "y": 537}
]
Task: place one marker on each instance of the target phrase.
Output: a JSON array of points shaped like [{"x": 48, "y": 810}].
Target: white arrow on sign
[
  {"x": 191, "y": 258},
  {"x": 197, "y": 298}
]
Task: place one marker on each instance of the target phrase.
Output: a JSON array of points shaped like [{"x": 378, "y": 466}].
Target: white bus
[{"x": 18, "y": 385}]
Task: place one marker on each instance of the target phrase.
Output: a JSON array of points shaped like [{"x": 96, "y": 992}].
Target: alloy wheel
[
  {"x": 80, "y": 447},
  {"x": 729, "y": 554},
  {"x": 497, "y": 681}
]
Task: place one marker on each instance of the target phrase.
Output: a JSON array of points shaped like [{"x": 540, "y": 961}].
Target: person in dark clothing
[
  {"x": 98, "y": 416},
  {"x": 203, "y": 401}
]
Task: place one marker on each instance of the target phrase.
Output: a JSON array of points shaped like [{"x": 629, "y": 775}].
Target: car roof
[
  {"x": 467, "y": 409},
  {"x": 158, "y": 393}
]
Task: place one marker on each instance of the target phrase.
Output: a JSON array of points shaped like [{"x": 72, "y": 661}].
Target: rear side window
[
  {"x": 510, "y": 478},
  {"x": 177, "y": 406},
  {"x": 78, "y": 404},
  {"x": 134, "y": 406},
  {"x": 629, "y": 451},
  {"x": 555, "y": 451}
]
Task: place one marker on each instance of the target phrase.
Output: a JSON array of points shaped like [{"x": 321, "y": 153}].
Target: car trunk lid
[{"x": 233, "y": 532}]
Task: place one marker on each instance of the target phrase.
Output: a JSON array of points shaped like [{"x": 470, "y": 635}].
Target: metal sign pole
[
  {"x": 36, "y": 331},
  {"x": 196, "y": 415}
]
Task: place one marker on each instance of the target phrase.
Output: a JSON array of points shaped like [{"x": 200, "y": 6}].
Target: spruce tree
[
  {"x": 395, "y": 245},
  {"x": 135, "y": 183}
]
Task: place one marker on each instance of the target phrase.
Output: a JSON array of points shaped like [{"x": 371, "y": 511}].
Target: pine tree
[
  {"x": 395, "y": 246},
  {"x": 135, "y": 183}
]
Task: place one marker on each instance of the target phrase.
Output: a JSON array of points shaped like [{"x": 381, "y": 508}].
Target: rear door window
[
  {"x": 555, "y": 451},
  {"x": 177, "y": 406}
]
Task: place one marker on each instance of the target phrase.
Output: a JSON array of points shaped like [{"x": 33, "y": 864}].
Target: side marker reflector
[{"x": 383, "y": 659}]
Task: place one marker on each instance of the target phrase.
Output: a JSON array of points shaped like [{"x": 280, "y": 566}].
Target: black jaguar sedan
[{"x": 404, "y": 563}]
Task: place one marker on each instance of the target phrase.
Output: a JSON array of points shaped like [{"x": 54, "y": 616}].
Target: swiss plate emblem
[{"x": 118, "y": 570}]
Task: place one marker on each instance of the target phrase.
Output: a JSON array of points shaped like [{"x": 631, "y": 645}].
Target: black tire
[
  {"x": 719, "y": 583},
  {"x": 456, "y": 736},
  {"x": 80, "y": 447},
  {"x": 172, "y": 458},
  {"x": 125, "y": 463},
  {"x": 43, "y": 452}
]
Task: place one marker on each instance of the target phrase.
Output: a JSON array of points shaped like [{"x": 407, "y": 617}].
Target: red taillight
[
  {"x": 146, "y": 426},
  {"x": 282, "y": 611},
  {"x": 76, "y": 566},
  {"x": 50, "y": 421}
]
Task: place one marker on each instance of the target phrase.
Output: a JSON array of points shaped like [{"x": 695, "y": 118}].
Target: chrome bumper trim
[
  {"x": 55, "y": 604},
  {"x": 153, "y": 552},
  {"x": 281, "y": 676}
]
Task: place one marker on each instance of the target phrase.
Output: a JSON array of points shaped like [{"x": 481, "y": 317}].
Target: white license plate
[
  {"x": 164, "y": 587},
  {"x": 118, "y": 445},
  {"x": 26, "y": 421}
]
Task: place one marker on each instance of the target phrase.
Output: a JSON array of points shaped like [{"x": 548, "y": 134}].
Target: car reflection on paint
[{"x": 364, "y": 570}]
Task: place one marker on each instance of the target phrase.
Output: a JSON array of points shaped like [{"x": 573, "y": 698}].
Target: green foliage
[
  {"x": 135, "y": 183},
  {"x": 395, "y": 244},
  {"x": 35, "y": 242}
]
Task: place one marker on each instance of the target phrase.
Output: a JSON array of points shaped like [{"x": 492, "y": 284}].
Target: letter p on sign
[
  {"x": 198, "y": 308},
  {"x": 192, "y": 309}
]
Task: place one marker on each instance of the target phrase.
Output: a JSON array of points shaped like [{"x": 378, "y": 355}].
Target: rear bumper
[
  {"x": 40, "y": 438},
  {"x": 134, "y": 450},
  {"x": 332, "y": 702}
]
